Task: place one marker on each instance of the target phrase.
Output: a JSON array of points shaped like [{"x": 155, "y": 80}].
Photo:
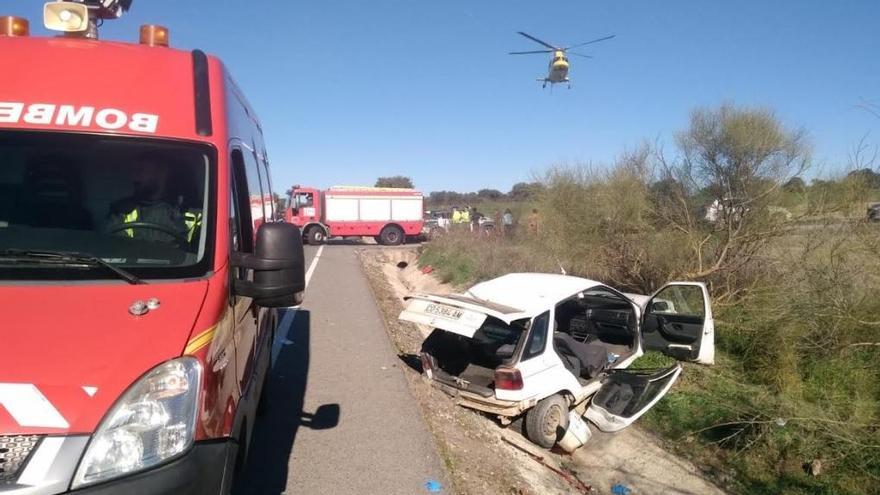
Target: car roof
[{"x": 532, "y": 293}]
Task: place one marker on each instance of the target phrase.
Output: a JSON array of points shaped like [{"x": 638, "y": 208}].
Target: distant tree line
[
  {"x": 396, "y": 181},
  {"x": 521, "y": 191}
]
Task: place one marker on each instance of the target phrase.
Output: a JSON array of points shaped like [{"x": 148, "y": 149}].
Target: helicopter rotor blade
[
  {"x": 529, "y": 53},
  {"x": 589, "y": 42},
  {"x": 579, "y": 54},
  {"x": 536, "y": 40}
]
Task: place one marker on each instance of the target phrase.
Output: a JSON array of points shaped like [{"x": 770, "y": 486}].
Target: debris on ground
[
  {"x": 568, "y": 476},
  {"x": 433, "y": 486},
  {"x": 620, "y": 489}
]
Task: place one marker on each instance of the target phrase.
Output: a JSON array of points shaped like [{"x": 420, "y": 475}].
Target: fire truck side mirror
[{"x": 278, "y": 264}]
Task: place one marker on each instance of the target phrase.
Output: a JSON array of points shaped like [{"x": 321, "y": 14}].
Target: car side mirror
[
  {"x": 659, "y": 306},
  {"x": 278, "y": 264}
]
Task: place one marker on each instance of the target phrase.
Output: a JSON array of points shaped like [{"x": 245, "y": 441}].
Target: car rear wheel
[
  {"x": 391, "y": 235},
  {"x": 546, "y": 423},
  {"x": 316, "y": 236}
]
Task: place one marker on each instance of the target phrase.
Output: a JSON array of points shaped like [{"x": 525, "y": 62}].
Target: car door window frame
[{"x": 540, "y": 326}]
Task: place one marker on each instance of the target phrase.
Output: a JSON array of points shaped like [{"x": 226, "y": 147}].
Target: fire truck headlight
[
  {"x": 69, "y": 17},
  {"x": 153, "y": 422}
]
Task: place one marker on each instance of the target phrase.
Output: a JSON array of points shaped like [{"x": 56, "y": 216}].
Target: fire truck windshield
[{"x": 136, "y": 204}]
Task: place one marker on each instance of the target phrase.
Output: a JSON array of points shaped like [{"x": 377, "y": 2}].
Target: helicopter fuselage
[{"x": 557, "y": 71}]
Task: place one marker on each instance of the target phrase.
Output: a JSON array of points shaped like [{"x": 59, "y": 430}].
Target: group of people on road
[
  {"x": 468, "y": 216},
  {"x": 474, "y": 220}
]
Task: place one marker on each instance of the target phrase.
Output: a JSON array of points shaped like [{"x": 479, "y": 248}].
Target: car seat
[{"x": 582, "y": 359}]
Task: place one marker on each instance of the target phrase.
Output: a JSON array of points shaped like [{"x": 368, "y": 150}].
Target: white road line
[
  {"x": 314, "y": 264},
  {"x": 287, "y": 320}
]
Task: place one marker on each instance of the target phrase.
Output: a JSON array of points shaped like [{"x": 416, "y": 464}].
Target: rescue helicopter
[{"x": 557, "y": 71}]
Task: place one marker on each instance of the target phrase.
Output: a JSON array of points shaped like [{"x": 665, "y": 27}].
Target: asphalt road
[{"x": 340, "y": 417}]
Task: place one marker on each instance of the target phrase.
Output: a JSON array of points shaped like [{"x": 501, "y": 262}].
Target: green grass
[{"x": 452, "y": 267}]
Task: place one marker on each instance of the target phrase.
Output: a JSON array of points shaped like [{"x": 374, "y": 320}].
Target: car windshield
[{"x": 139, "y": 205}]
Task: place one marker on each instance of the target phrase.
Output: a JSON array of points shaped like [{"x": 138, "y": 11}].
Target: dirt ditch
[{"x": 480, "y": 455}]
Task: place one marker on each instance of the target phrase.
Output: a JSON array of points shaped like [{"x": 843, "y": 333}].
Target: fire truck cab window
[
  {"x": 258, "y": 213},
  {"x": 266, "y": 185},
  {"x": 305, "y": 200},
  {"x": 141, "y": 205},
  {"x": 241, "y": 206}
]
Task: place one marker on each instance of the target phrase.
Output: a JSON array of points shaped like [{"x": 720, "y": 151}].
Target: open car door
[
  {"x": 677, "y": 321},
  {"x": 628, "y": 394}
]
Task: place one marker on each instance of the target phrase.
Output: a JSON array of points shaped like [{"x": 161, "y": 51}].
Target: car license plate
[{"x": 444, "y": 311}]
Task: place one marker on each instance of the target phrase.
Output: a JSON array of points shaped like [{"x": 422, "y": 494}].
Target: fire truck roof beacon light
[{"x": 13, "y": 26}]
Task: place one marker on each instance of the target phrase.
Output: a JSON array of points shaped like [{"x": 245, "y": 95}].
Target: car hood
[{"x": 68, "y": 352}]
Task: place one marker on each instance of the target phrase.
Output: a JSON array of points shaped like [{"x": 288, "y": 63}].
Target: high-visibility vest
[
  {"x": 465, "y": 216},
  {"x": 456, "y": 216},
  {"x": 193, "y": 220},
  {"x": 130, "y": 217}
]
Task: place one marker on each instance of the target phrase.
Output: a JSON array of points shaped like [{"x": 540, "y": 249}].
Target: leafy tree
[
  {"x": 741, "y": 157},
  {"x": 867, "y": 176},
  {"x": 280, "y": 204},
  {"x": 396, "y": 181},
  {"x": 795, "y": 185},
  {"x": 522, "y": 191},
  {"x": 490, "y": 194}
]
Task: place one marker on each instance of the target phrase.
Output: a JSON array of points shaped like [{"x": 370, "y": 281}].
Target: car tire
[
  {"x": 546, "y": 423},
  {"x": 316, "y": 236},
  {"x": 391, "y": 235}
]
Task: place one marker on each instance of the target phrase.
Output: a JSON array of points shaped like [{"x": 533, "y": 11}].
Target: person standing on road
[
  {"x": 534, "y": 226},
  {"x": 475, "y": 221},
  {"x": 456, "y": 216},
  {"x": 507, "y": 223}
]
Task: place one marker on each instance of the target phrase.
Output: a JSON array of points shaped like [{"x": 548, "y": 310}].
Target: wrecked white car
[{"x": 543, "y": 344}]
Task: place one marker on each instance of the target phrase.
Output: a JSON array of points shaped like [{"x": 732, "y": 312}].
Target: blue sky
[{"x": 352, "y": 90}]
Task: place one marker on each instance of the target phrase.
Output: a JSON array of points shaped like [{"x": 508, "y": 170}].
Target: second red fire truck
[{"x": 389, "y": 215}]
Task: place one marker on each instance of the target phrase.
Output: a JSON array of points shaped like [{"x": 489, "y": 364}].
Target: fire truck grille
[{"x": 14, "y": 450}]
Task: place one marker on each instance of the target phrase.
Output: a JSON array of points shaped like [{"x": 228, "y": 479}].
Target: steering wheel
[{"x": 180, "y": 237}]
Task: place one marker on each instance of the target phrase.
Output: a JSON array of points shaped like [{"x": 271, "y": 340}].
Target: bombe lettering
[{"x": 111, "y": 119}]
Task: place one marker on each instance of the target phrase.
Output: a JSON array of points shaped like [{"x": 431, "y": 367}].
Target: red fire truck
[
  {"x": 140, "y": 270},
  {"x": 389, "y": 215}
]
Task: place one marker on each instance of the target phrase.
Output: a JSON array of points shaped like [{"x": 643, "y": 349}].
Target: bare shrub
[{"x": 721, "y": 191}]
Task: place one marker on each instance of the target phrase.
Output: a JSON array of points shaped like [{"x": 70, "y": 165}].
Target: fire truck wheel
[
  {"x": 316, "y": 236},
  {"x": 391, "y": 235}
]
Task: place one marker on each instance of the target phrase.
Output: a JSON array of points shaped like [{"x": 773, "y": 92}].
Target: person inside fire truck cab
[{"x": 151, "y": 212}]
